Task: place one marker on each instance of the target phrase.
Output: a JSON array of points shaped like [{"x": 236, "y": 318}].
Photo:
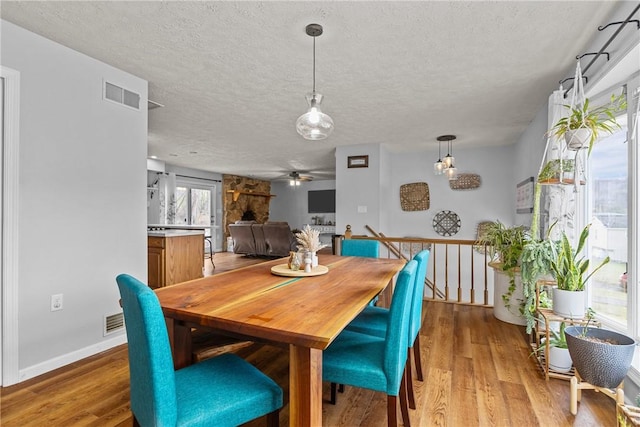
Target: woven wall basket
[
  {"x": 465, "y": 181},
  {"x": 414, "y": 196}
]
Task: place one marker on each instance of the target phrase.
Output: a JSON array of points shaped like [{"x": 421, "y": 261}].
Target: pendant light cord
[{"x": 314, "y": 64}]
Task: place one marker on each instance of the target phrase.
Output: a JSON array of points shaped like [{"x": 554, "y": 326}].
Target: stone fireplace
[{"x": 245, "y": 199}]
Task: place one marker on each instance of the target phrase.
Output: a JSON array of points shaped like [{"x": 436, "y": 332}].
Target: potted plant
[
  {"x": 505, "y": 245},
  {"x": 570, "y": 271},
  {"x": 601, "y": 357},
  {"x": 558, "y": 355},
  {"x": 557, "y": 171},
  {"x": 518, "y": 260},
  {"x": 583, "y": 125}
]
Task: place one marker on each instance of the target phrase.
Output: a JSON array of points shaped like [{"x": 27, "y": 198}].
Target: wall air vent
[
  {"x": 121, "y": 96},
  {"x": 113, "y": 323}
]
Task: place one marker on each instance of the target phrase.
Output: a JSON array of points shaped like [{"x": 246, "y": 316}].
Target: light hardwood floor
[{"x": 477, "y": 373}]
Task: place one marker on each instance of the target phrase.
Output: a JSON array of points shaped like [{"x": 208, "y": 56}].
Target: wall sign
[
  {"x": 358, "y": 161},
  {"x": 524, "y": 196}
]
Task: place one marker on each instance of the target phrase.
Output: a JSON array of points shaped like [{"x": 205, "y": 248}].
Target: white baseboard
[{"x": 65, "y": 359}]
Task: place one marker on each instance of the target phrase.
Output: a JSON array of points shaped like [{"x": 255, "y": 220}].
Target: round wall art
[{"x": 446, "y": 223}]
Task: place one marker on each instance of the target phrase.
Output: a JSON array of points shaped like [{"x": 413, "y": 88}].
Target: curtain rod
[
  {"x": 192, "y": 177},
  {"x": 601, "y": 51}
]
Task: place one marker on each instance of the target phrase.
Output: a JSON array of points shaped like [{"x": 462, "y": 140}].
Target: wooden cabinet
[{"x": 174, "y": 257}]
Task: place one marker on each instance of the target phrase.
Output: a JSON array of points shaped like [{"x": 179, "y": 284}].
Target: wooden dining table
[{"x": 307, "y": 313}]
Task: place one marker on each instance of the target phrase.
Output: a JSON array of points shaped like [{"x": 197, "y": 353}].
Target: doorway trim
[{"x": 9, "y": 368}]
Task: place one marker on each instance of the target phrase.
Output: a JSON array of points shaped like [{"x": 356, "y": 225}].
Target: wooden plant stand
[{"x": 577, "y": 385}]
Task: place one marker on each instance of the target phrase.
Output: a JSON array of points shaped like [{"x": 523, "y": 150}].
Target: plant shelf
[{"x": 556, "y": 181}]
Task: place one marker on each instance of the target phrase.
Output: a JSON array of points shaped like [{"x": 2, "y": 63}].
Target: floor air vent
[
  {"x": 121, "y": 96},
  {"x": 113, "y": 323}
]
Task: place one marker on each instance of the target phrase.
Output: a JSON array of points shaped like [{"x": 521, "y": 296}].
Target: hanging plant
[{"x": 584, "y": 125}]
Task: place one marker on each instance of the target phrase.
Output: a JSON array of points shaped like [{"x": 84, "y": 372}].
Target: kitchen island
[{"x": 174, "y": 256}]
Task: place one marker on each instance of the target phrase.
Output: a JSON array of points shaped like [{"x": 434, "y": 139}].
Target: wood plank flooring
[{"x": 477, "y": 373}]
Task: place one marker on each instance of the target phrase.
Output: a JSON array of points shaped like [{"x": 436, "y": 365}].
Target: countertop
[
  {"x": 177, "y": 227},
  {"x": 174, "y": 233}
]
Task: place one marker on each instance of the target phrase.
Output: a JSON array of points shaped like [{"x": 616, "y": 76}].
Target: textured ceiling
[{"x": 233, "y": 75}]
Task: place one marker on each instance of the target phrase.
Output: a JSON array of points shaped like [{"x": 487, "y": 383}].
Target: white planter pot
[
  {"x": 509, "y": 314},
  {"x": 569, "y": 304},
  {"x": 560, "y": 359},
  {"x": 577, "y": 138}
]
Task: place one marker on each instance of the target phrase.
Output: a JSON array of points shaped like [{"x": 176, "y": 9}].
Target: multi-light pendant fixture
[
  {"x": 446, "y": 166},
  {"x": 314, "y": 124}
]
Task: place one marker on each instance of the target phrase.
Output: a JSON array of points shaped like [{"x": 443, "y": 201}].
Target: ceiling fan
[{"x": 295, "y": 179}]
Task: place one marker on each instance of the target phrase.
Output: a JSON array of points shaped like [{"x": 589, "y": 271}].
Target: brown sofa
[{"x": 272, "y": 239}]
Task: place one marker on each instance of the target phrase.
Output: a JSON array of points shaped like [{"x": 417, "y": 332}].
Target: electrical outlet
[{"x": 56, "y": 302}]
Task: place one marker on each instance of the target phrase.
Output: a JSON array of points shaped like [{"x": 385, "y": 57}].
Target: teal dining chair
[
  {"x": 377, "y": 363},
  {"x": 360, "y": 247},
  {"x": 221, "y": 391},
  {"x": 373, "y": 321}
]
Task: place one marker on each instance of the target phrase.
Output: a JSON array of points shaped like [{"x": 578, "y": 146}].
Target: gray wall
[
  {"x": 290, "y": 203},
  {"x": 82, "y": 216}
]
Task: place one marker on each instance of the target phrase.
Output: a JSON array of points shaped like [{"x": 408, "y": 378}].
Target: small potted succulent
[{"x": 583, "y": 125}]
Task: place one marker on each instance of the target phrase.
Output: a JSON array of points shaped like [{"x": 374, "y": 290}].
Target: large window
[{"x": 607, "y": 211}]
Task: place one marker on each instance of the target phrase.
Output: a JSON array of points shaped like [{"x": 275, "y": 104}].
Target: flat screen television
[{"x": 322, "y": 201}]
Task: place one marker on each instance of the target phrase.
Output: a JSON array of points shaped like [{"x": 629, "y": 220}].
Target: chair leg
[
  {"x": 392, "y": 411},
  {"x": 403, "y": 401},
  {"x": 417, "y": 358},
  {"x": 341, "y": 388},
  {"x": 333, "y": 398},
  {"x": 273, "y": 419},
  {"x": 409, "y": 377}
]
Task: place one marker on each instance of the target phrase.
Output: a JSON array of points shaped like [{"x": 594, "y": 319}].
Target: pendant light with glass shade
[
  {"x": 314, "y": 124},
  {"x": 446, "y": 165},
  {"x": 438, "y": 167}
]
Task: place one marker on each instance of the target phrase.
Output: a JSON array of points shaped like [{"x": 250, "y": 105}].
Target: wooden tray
[{"x": 284, "y": 270}]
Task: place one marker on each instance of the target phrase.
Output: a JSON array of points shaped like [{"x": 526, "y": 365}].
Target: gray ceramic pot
[{"x": 600, "y": 364}]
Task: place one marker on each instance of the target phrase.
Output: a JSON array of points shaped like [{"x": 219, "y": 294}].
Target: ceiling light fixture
[
  {"x": 295, "y": 179},
  {"x": 314, "y": 124},
  {"x": 446, "y": 165}
]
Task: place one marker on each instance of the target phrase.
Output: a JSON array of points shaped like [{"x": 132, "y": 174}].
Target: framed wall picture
[
  {"x": 358, "y": 161},
  {"x": 524, "y": 196}
]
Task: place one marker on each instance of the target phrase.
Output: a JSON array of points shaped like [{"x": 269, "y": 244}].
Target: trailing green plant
[
  {"x": 535, "y": 262},
  {"x": 515, "y": 248},
  {"x": 569, "y": 267},
  {"x": 504, "y": 244},
  {"x": 599, "y": 119}
]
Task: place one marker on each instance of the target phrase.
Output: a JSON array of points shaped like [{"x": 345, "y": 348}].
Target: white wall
[
  {"x": 358, "y": 188},
  {"x": 378, "y": 188},
  {"x": 290, "y": 203},
  {"x": 528, "y": 155},
  {"x": 82, "y": 179}
]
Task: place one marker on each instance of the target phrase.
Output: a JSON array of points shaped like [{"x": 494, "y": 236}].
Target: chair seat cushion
[
  {"x": 224, "y": 391},
  {"x": 372, "y": 321},
  {"x": 356, "y": 359}
]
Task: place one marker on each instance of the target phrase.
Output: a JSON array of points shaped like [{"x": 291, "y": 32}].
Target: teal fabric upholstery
[
  {"x": 373, "y": 320},
  {"x": 360, "y": 247},
  {"x": 222, "y": 391},
  {"x": 371, "y": 362}
]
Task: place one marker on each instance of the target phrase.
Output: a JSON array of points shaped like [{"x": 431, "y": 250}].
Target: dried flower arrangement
[{"x": 309, "y": 239}]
